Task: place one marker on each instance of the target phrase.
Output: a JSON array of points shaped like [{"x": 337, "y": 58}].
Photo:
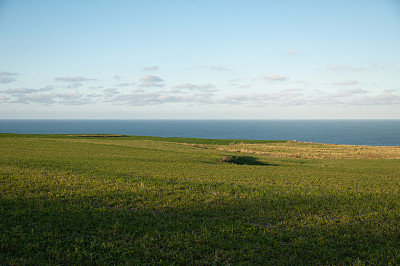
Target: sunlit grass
[
  {"x": 304, "y": 150},
  {"x": 140, "y": 200}
]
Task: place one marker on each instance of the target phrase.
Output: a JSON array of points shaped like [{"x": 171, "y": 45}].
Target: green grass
[
  {"x": 128, "y": 137},
  {"x": 146, "y": 200}
]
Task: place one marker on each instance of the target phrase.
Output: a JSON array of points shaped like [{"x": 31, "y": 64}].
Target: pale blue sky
[{"x": 200, "y": 59}]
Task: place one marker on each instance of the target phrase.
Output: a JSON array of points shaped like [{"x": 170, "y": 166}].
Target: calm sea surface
[{"x": 358, "y": 132}]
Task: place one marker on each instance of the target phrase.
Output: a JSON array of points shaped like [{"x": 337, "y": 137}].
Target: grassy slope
[
  {"x": 71, "y": 200},
  {"x": 128, "y": 137}
]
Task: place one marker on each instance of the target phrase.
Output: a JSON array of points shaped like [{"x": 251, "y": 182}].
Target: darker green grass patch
[
  {"x": 292, "y": 229},
  {"x": 129, "y": 137},
  {"x": 207, "y": 141}
]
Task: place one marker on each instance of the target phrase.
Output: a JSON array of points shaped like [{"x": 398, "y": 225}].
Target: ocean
[{"x": 352, "y": 132}]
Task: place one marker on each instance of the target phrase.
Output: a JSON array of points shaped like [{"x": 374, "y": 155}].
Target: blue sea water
[{"x": 357, "y": 132}]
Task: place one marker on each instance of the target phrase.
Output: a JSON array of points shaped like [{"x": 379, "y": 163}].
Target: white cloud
[
  {"x": 383, "y": 99},
  {"x": 73, "y": 82},
  {"x": 348, "y": 93},
  {"x": 207, "y": 86},
  {"x": 96, "y": 88},
  {"x": 356, "y": 97},
  {"x": 191, "y": 86},
  {"x": 199, "y": 94},
  {"x": 3, "y": 98},
  {"x": 276, "y": 78},
  {"x": 286, "y": 97},
  {"x": 244, "y": 86},
  {"x": 26, "y": 90},
  {"x": 126, "y": 84},
  {"x": 73, "y": 79},
  {"x": 391, "y": 90},
  {"x": 74, "y": 85},
  {"x": 7, "y": 77},
  {"x": 45, "y": 99},
  {"x": 149, "y": 78},
  {"x": 151, "y": 84},
  {"x": 151, "y": 81},
  {"x": 291, "y": 52},
  {"x": 293, "y": 97},
  {"x": 377, "y": 67},
  {"x": 111, "y": 92},
  {"x": 142, "y": 98},
  {"x": 346, "y": 82},
  {"x": 150, "y": 68},
  {"x": 19, "y": 91},
  {"x": 27, "y": 96},
  {"x": 292, "y": 90},
  {"x": 74, "y": 98},
  {"x": 219, "y": 68},
  {"x": 47, "y": 88},
  {"x": 387, "y": 98}
]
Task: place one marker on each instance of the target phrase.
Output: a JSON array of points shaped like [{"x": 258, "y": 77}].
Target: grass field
[{"x": 70, "y": 199}]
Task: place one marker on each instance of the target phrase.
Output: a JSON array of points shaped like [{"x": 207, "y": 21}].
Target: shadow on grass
[
  {"x": 243, "y": 160},
  {"x": 275, "y": 230}
]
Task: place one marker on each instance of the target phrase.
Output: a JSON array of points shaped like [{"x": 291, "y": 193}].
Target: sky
[{"x": 200, "y": 59}]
